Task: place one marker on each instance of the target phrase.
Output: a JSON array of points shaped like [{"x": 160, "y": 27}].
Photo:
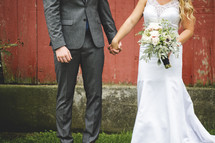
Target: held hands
[
  {"x": 63, "y": 55},
  {"x": 115, "y": 47}
]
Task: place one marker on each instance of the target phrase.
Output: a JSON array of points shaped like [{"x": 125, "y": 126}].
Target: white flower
[
  {"x": 168, "y": 38},
  {"x": 146, "y": 39},
  {"x": 164, "y": 34},
  {"x": 155, "y": 41},
  {"x": 154, "y": 26},
  {"x": 154, "y": 34}
]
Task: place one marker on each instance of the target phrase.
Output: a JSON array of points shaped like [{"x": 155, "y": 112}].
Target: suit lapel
[{"x": 85, "y": 1}]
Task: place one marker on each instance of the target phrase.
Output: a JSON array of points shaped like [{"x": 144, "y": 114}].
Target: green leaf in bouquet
[
  {"x": 139, "y": 33},
  {"x": 156, "y": 48},
  {"x": 158, "y": 55},
  {"x": 163, "y": 57},
  {"x": 142, "y": 58},
  {"x": 171, "y": 48},
  {"x": 159, "y": 61},
  {"x": 147, "y": 34},
  {"x": 149, "y": 55},
  {"x": 166, "y": 48},
  {"x": 146, "y": 51},
  {"x": 160, "y": 51},
  {"x": 164, "y": 54},
  {"x": 162, "y": 38}
]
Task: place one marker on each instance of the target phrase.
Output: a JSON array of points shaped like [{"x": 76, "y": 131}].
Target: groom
[{"x": 77, "y": 39}]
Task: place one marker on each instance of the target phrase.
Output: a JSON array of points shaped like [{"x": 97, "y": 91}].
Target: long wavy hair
[{"x": 186, "y": 10}]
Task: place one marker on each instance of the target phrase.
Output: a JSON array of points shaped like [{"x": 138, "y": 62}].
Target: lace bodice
[{"x": 154, "y": 12}]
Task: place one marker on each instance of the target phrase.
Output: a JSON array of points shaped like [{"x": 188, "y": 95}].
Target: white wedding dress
[{"x": 165, "y": 110}]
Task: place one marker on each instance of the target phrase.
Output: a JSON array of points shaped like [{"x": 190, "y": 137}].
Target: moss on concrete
[{"x": 32, "y": 108}]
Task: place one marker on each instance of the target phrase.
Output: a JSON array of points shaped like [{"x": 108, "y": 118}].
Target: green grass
[{"x": 50, "y": 137}]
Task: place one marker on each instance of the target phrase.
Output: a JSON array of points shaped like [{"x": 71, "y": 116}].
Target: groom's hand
[
  {"x": 63, "y": 55},
  {"x": 115, "y": 48},
  {"x": 113, "y": 51}
]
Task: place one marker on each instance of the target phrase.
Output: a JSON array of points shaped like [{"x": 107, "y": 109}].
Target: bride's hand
[
  {"x": 169, "y": 54},
  {"x": 114, "y": 47}
]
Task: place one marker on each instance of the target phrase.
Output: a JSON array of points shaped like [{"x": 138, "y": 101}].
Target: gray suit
[
  {"x": 77, "y": 25},
  {"x": 66, "y": 21}
]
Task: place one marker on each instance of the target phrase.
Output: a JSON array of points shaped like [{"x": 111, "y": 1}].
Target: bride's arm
[
  {"x": 188, "y": 26},
  {"x": 128, "y": 25}
]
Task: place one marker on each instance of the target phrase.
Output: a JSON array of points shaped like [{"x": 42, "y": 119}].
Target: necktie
[{"x": 87, "y": 23}]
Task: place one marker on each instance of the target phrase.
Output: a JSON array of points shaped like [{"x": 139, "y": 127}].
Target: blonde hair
[{"x": 186, "y": 10}]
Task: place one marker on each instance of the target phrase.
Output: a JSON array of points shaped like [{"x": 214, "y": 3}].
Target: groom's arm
[
  {"x": 107, "y": 20},
  {"x": 52, "y": 15}
]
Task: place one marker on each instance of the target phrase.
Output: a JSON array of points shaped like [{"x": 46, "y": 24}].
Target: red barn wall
[{"x": 33, "y": 63}]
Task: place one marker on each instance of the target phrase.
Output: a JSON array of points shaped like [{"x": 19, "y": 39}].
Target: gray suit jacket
[{"x": 66, "y": 22}]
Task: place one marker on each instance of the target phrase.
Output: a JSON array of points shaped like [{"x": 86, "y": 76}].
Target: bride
[{"x": 165, "y": 110}]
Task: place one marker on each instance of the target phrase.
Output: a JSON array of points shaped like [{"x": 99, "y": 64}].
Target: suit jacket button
[{"x": 85, "y": 19}]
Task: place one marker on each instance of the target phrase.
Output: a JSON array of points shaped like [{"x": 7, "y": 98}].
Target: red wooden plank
[
  {"x": 213, "y": 50},
  {"x": 203, "y": 43},
  {"x": 187, "y": 69},
  {"x": 125, "y": 60},
  {"x": 27, "y": 55},
  {"x": 46, "y": 72},
  {"x": 110, "y": 60},
  {"x": 8, "y": 31}
]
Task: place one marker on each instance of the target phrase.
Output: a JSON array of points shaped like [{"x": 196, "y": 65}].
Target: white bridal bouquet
[{"x": 161, "y": 40}]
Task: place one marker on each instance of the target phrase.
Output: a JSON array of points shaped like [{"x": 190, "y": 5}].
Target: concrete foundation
[{"x": 32, "y": 108}]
